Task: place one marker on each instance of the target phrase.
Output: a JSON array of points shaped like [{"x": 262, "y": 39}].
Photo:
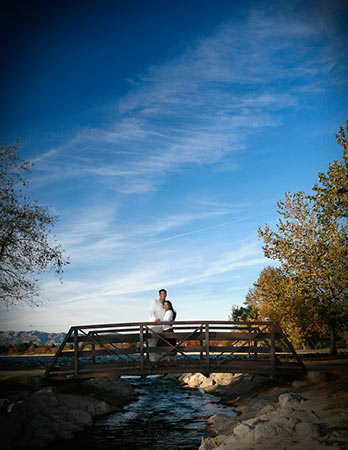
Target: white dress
[{"x": 168, "y": 317}]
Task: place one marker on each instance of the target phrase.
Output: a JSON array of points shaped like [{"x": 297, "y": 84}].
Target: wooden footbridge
[{"x": 200, "y": 346}]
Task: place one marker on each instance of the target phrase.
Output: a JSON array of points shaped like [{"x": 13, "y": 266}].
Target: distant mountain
[{"x": 36, "y": 337}]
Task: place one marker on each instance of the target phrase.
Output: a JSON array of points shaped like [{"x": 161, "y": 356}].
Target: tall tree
[
  {"x": 311, "y": 243},
  {"x": 277, "y": 297},
  {"x": 26, "y": 244}
]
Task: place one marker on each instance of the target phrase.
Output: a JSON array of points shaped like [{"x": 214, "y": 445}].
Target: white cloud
[{"x": 168, "y": 269}]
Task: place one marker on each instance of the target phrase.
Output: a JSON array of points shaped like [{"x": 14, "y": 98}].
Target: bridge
[{"x": 90, "y": 351}]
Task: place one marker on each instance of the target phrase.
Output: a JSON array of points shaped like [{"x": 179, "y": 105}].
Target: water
[
  {"x": 26, "y": 362},
  {"x": 42, "y": 362},
  {"x": 165, "y": 417}
]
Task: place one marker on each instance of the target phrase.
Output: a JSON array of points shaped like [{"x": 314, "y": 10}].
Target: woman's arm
[{"x": 168, "y": 316}]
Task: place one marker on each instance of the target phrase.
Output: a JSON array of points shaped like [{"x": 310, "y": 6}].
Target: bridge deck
[{"x": 90, "y": 351}]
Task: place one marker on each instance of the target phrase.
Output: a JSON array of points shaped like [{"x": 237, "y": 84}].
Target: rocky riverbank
[
  {"x": 305, "y": 414},
  {"x": 35, "y": 419}
]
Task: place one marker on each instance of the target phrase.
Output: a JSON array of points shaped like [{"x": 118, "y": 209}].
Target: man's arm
[
  {"x": 153, "y": 317},
  {"x": 153, "y": 313}
]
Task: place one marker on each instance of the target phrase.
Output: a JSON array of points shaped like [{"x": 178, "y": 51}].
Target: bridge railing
[{"x": 141, "y": 348}]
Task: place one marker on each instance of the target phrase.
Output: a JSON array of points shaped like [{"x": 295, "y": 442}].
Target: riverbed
[{"x": 166, "y": 416}]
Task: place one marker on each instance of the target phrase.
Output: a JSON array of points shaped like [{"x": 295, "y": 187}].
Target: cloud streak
[{"x": 204, "y": 104}]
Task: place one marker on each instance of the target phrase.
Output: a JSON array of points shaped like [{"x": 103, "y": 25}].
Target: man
[{"x": 156, "y": 314}]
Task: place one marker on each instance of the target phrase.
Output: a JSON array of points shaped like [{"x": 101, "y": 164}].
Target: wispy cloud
[
  {"x": 95, "y": 233},
  {"x": 204, "y": 104},
  {"x": 184, "y": 270}
]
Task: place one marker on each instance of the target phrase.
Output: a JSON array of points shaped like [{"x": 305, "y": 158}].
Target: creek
[{"x": 165, "y": 417}]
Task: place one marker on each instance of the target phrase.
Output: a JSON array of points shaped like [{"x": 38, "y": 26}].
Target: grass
[
  {"x": 10, "y": 383},
  {"x": 338, "y": 403},
  {"x": 338, "y": 386}
]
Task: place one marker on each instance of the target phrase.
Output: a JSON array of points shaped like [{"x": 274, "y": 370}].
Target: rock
[
  {"x": 242, "y": 431},
  {"x": 205, "y": 445},
  {"x": 220, "y": 424},
  {"x": 305, "y": 430},
  {"x": 242, "y": 386},
  {"x": 314, "y": 377},
  {"x": 91, "y": 409},
  {"x": 268, "y": 408},
  {"x": 298, "y": 384},
  {"x": 223, "y": 379},
  {"x": 81, "y": 418},
  {"x": 287, "y": 422},
  {"x": 4, "y": 404},
  {"x": 101, "y": 408},
  {"x": 17, "y": 412},
  {"x": 208, "y": 382},
  {"x": 112, "y": 390},
  {"x": 264, "y": 430},
  {"x": 290, "y": 400},
  {"x": 67, "y": 427},
  {"x": 8, "y": 428},
  {"x": 195, "y": 380},
  {"x": 6, "y": 444},
  {"x": 62, "y": 434},
  {"x": 172, "y": 376},
  {"x": 31, "y": 407},
  {"x": 40, "y": 421},
  {"x": 34, "y": 420}
]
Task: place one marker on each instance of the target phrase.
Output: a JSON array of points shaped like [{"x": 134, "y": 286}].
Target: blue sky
[{"x": 163, "y": 134}]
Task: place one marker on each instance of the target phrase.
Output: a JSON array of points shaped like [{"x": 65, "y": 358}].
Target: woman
[{"x": 169, "y": 316}]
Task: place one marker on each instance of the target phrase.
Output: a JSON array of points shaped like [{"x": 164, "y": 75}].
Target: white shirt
[
  {"x": 156, "y": 310},
  {"x": 168, "y": 317}
]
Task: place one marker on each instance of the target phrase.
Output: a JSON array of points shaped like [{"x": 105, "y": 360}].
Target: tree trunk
[{"x": 333, "y": 349}]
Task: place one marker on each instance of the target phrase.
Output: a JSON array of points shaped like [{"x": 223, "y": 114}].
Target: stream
[{"x": 165, "y": 417}]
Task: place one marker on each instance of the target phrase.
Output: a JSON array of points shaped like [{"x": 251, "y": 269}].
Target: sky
[{"x": 163, "y": 133}]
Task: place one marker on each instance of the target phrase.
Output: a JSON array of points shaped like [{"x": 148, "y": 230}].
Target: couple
[{"x": 161, "y": 310}]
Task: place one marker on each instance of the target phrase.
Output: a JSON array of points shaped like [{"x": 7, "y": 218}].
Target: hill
[{"x": 34, "y": 336}]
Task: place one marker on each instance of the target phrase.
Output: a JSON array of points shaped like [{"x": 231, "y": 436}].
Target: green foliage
[
  {"x": 243, "y": 313},
  {"x": 311, "y": 244},
  {"x": 4, "y": 349},
  {"x": 22, "y": 347},
  {"x": 18, "y": 383},
  {"x": 26, "y": 247}
]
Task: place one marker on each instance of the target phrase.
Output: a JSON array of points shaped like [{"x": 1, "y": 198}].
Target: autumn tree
[
  {"x": 27, "y": 247},
  {"x": 311, "y": 243},
  {"x": 278, "y": 298}
]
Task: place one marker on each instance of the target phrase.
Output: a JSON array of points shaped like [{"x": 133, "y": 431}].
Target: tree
[
  {"x": 311, "y": 243},
  {"x": 26, "y": 245},
  {"x": 243, "y": 313},
  {"x": 277, "y": 297}
]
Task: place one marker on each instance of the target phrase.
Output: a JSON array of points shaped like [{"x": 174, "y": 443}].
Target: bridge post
[
  {"x": 273, "y": 352},
  {"x": 207, "y": 344},
  {"x": 93, "y": 353},
  {"x": 142, "y": 350},
  {"x": 76, "y": 353}
]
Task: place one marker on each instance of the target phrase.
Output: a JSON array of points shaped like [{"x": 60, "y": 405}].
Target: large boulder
[
  {"x": 112, "y": 390},
  {"x": 36, "y": 419},
  {"x": 290, "y": 424}
]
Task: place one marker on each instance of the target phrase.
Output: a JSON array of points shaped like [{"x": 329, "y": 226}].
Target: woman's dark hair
[
  {"x": 162, "y": 290},
  {"x": 171, "y": 308}
]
